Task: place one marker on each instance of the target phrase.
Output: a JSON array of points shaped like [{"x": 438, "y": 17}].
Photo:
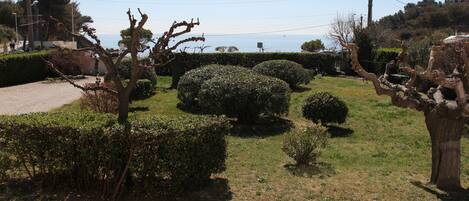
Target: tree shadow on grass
[
  {"x": 139, "y": 109},
  {"x": 337, "y": 132},
  {"x": 312, "y": 170},
  {"x": 263, "y": 127},
  {"x": 300, "y": 89},
  {"x": 444, "y": 196}
]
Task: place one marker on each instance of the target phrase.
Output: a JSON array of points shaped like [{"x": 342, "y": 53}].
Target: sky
[{"x": 219, "y": 17}]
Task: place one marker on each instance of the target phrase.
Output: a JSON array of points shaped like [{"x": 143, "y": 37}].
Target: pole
[
  {"x": 29, "y": 16},
  {"x": 370, "y": 12},
  {"x": 73, "y": 20},
  {"x": 16, "y": 27}
]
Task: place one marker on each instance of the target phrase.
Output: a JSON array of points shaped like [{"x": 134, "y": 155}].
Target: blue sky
[{"x": 234, "y": 16}]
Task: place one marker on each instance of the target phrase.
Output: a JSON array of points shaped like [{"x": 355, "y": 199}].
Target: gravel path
[{"x": 38, "y": 96}]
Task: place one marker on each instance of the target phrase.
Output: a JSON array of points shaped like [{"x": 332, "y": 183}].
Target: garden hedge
[
  {"x": 23, "y": 68},
  {"x": 88, "y": 151},
  {"x": 291, "y": 72},
  {"x": 184, "y": 62}
]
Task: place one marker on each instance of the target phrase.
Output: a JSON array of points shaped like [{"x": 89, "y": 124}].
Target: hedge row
[
  {"x": 23, "y": 68},
  {"x": 89, "y": 151},
  {"x": 381, "y": 57},
  {"x": 185, "y": 62}
]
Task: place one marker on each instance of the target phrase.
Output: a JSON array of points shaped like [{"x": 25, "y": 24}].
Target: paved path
[{"x": 38, "y": 96}]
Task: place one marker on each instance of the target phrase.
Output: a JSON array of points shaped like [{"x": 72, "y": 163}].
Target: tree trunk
[
  {"x": 124, "y": 102},
  {"x": 445, "y": 136}
]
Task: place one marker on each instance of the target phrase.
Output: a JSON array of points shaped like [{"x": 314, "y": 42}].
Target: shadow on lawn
[
  {"x": 337, "y": 132},
  {"x": 264, "y": 127},
  {"x": 444, "y": 196},
  {"x": 301, "y": 89},
  {"x": 309, "y": 171},
  {"x": 139, "y": 109}
]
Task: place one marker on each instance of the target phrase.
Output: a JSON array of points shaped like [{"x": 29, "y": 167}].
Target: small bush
[
  {"x": 88, "y": 150},
  {"x": 304, "y": 145},
  {"x": 325, "y": 108},
  {"x": 99, "y": 101},
  {"x": 245, "y": 96},
  {"x": 125, "y": 72},
  {"x": 143, "y": 89},
  {"x": 189, "y": 84},
  {"x": 292, "y": 73}
]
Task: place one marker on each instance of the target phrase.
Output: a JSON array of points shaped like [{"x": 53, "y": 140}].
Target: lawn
[{"x": 380, "y": 153}]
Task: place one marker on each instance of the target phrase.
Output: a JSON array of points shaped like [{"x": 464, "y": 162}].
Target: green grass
[{"x": 387, "y": 151}]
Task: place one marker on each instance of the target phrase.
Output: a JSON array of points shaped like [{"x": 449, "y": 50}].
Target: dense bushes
[
  {"x": 291, "y": 72},
  {"x": 143, "y": 89},
  {"x": 325, "y": 108},
  {"x": 89, "y": 150},
  {"x": 304, "y": 145},
  {"x": 23, "y": 68},
  {"x": 190, "y": 84},
  {"x": 185, "y": 62},
  {"x": 244, "y": 96},
  {"x": 125, "y": 68}
]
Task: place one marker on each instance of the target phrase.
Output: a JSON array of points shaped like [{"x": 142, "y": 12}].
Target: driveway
[{"x": 38, "y": 96}]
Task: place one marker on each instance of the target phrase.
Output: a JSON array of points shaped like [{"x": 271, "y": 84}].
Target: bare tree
[
  {"x": 202, "y": 48},
  {"x": 445, "y": 106},
  {"x": 343, "y": 27},
  {"x": 232, "y": 49},
  {"x": 161, "y": 54}
]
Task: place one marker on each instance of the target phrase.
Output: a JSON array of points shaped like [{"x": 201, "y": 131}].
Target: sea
[{"x": 245, "y": 43}]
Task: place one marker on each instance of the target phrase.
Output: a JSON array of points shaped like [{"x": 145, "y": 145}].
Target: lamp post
[
  {"x": 16, "y": 27},
  {"x": 73, "y": 20}
]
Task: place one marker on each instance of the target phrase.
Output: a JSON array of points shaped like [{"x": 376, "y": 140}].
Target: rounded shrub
[
  {"x": 189, "y": 84},
  {"x": 304, "y": 145},
  {"x": 291, "y": 72},
  {"x": 244, "y": 96},
  {"x": 325, "y": 108},
  {"x": 125, "y": 72}
]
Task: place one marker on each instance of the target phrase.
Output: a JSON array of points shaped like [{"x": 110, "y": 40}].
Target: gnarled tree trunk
[
  {"x": 445, "y": 136},
  {"x": 124, "y": 102}
]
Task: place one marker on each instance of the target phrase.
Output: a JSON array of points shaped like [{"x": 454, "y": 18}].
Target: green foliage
[
  {"x": 143, "y": 89},
  {"x": 23, "y": 68},
  {"x": 88, "y": 150},
  {"x": 325, "y": 108},
  {"x": 291, "y": 72},
  {"x": 313, "y": 46},
  {"x": 304, "y": 145},
  {"x": 365, "y": 44},
  {"x": 7, "y": 8},
  {"x": 245, "y": 96},
  {"x": 189, "y": 85},
  {"x": 145, "y": 37},
  {"x": 184, "y": 62},
  {"x": 125, "y": 72},
  {"x": 384, "y": 56},
  {"x": 7, "y": 34}
]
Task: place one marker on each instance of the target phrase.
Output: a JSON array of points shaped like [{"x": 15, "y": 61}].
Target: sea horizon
[{"x": 245, "y": 43}]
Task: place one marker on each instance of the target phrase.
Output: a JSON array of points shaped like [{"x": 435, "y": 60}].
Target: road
[{"x": 38, "y": 96}]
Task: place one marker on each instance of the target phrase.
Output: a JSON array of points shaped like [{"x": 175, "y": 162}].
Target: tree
[
  {"x": 313, "y": 46},
  {"x": 7, "y": 8},
  {"x": 145, "y": 37},
  {"x": 161, "y": 54},
  {"x": 223, "y": 49},
  {"x": 445, "y": 106}
]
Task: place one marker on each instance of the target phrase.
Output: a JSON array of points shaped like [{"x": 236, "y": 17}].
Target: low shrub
[
  {"x": 291, "y": 72},
  {"x": 23, "y": 68},
  {"x": 325, "y": 108},
  {"x": 126, "y": 66},
  {"x": 245, "y": 96},
  {"x": 99, "y": 101},
  {"x": 304, "y": 145},
  {"x": 190, "y": 84},
  {"x": 143, "y": 89},
  {"x": 89, "y": 151}
]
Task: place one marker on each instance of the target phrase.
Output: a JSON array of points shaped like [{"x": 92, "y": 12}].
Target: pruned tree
[
  {"x": 445, "y": 105},
  {"x": 160, "y": 54}
]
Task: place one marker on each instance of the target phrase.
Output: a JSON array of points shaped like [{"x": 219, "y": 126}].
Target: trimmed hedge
[
  {"x": 291, "y": 72},
  {"x": 325, "y": 108},
  {"x": 185, "y": 62},
  {"x": 190, "y": 84},
  {"x": 143, "y": 89},
  {"x": 88, "y": 151},
  {"x": 245, "y": 96},
  {"x": 384, "y": 56},
  {"x": 23, "y": 68},
  {"x": 124, "y": 72}
]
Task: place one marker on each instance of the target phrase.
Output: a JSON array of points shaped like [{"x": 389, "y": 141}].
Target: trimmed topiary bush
[
  {"x": 291, "y": 72},
  {"x": 245, "y": 96},
  {"x": 124, "y": 72},
  {"x": 325, "y": 108},
  {"x": 304, "y": 145},
  {"x": 190, "y": 84},
  {"x": 143, "y": 89},
  {"x": 88, "y": 151}
]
